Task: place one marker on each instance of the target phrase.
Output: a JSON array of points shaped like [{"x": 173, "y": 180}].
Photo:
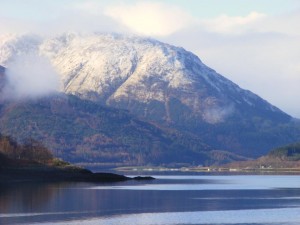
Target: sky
[{"x": 254, "y": 43}]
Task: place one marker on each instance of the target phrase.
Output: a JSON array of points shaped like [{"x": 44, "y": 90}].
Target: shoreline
[
  {"x": 44, "y": 174},
  {"x": 211, "y": 170}
]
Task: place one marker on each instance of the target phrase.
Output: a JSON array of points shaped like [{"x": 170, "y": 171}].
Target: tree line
[{"x": 31, "y": 150}]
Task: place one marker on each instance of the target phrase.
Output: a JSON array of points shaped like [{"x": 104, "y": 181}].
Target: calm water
[{"x": 169, "y": 200}]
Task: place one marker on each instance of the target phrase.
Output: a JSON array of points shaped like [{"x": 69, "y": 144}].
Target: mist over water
[{"x": 30, "y": 76}]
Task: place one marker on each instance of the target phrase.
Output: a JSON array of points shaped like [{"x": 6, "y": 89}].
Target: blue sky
[{"x": 255, "y": 43}]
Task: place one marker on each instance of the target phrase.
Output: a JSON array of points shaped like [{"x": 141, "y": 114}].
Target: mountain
[
  {"x": 139, "y": 73},
  {"x": 164, "y": 85}
]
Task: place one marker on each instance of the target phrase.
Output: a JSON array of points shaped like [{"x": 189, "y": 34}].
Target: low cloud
[
  {"x": 30, "y": 76},
  {"x": 214, "y": 114}
]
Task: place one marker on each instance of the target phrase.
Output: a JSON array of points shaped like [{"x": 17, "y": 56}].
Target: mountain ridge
[
  {"x": 162, "y": 85},
  {"x": 107, "y": 66}
]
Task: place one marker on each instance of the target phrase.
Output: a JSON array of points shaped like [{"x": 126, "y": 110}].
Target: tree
[
  {"x": 9, "y": 147},
  {"x": 36, "y": 151},
  {"x": 31, "y": 150}
]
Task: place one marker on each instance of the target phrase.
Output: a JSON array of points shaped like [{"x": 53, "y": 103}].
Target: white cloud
[
  {"x": 229, "y": 24},
  {"x": 74, "y": 17},
  {"x": 30, "y": 76},
  {"x": 286, "y": 24},
  {"x": 143, "y": 17},
  {"x": 150, "y": 18},
  {"x": 14, "y": 26}
]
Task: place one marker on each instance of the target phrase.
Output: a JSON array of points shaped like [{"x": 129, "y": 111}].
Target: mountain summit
[
  {"x": 138, "y": 74},
  {"x": 161, "y": 83}
]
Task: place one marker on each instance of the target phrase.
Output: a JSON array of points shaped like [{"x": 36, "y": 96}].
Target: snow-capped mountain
[
  {"x": 160, "y": 83},
  {"x": 134, "y": 73}
]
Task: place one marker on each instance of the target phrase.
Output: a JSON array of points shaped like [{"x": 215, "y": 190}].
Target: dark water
[{"x": 169, "y": 200}]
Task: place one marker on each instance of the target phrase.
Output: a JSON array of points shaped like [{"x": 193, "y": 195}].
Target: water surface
[{"x": 168, "y": 200}]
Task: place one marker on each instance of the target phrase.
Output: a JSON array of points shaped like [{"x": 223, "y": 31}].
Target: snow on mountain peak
[
  {"x": 126, "y": 71},
  {"x": 12, "y": 45}
]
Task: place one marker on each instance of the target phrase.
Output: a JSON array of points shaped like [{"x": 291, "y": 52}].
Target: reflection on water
[
  {"x": 214, "y": 183},
  {"x": 289, "y": 216},
  {"x": 28, "y": 197},
  {"x": 167, "y": 200}
]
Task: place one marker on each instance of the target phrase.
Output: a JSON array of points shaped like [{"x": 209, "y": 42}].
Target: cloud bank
[{"x": 30, "y": 76}]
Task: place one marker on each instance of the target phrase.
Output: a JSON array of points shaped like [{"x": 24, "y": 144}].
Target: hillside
[
  {"x": 284, "y": 157},
  {"x": 2, "y": 71},
  {"x": 167, "y": 87},
  {"x": 2, "y": 79},
  {"x": 32, "y": 162},
  {"x": 82, "y": 131},
  {"x": 289, "y": 152}
]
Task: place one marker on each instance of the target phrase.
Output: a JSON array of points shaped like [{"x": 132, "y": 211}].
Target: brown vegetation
[
  {"x": 284, "y": 157},
  {"x": 31, "y": 150}
]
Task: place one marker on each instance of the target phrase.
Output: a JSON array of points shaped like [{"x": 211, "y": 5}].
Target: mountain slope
[
  {"x": 136, "y": 73},
  {"x": 283, "y": 158},
  {"x": 2, "y": 77},
  {"x": 123, "y": 70},
  {"x": 82, "y": 131},
  {"x": 163, "y": 84},
  {"x": 2, "y": 70}
]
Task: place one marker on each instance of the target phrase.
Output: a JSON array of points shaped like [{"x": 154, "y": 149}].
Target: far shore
[{"x": 214, "y": 169}]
